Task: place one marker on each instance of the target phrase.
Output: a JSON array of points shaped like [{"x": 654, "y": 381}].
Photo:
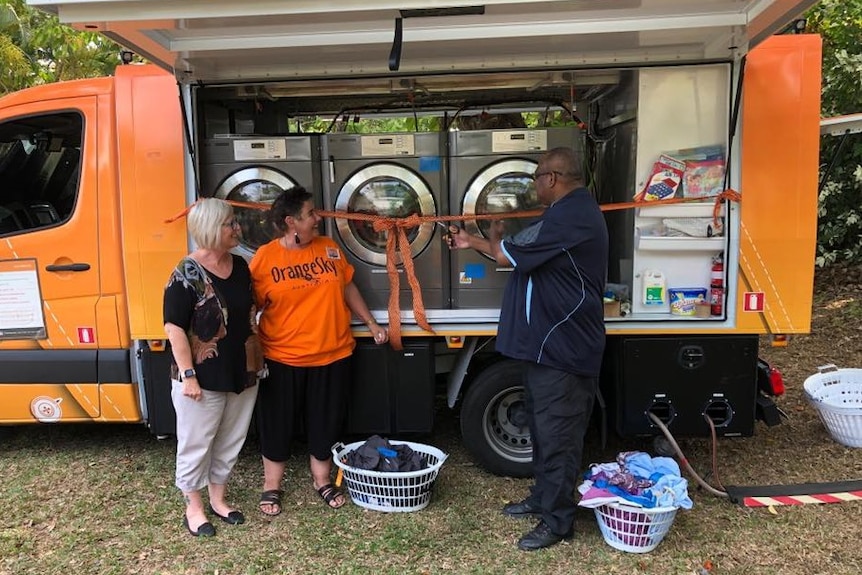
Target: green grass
[
  {"x": 96, "y": 499},
  {"x": 100, "y": 499}
]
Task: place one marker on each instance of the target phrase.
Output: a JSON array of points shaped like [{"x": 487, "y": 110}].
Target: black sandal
[
  {"x": 272, "y": 498},
  {"x": 329, "y": 493}
]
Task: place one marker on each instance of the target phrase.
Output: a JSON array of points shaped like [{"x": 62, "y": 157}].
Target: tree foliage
[
  {"x": 35, "y": 48},
  {"x": 839, "y": 22}
]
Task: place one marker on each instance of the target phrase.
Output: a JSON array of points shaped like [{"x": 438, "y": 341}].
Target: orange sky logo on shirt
[{"x": 310, "y": 271}]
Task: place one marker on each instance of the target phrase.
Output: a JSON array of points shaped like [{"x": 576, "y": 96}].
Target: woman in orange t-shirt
[{"x": 304, "y": 285}]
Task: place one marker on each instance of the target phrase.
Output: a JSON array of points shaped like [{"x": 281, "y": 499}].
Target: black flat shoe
[
  {"x": 522, "y": 509},
  {"x": 232, "y": 518},
  {"x": 540, "y": 537},
  {"x": 205, "y": 530}
]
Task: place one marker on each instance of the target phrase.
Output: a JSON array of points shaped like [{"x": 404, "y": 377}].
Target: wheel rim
[{"x": 504, "y": 424}]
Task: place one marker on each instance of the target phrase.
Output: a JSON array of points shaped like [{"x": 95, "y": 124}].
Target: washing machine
[
  {"x": 490, "y": 172},
  {"x": 258, "y": 169},
  {"x": 392, "y": 175}
]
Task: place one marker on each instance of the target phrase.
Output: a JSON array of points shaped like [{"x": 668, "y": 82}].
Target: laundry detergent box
[{"x": 684, "y": 300}]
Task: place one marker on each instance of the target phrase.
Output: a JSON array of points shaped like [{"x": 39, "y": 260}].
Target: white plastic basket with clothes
[{"x": 635, "y": 499}]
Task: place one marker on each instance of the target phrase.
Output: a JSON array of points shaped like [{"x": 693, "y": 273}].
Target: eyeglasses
[
  {"x": 231, "y": 224},
  {"x": 538, "y": 175}
]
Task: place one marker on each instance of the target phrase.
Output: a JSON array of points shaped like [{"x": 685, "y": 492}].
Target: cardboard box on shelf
[{"x": 702, "y": 309}]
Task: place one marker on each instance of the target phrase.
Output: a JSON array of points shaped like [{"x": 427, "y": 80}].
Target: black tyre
[{"x": 494, "y": 425}]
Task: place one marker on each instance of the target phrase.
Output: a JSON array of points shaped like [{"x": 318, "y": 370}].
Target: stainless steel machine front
[
  {"x": 392, "y": 175},
  {"x": 490, "y": 172},
  {"x": 257, "y": 169}
]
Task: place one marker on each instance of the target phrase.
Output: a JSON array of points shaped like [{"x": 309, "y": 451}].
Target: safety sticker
[{"x": 86, "y": 335}]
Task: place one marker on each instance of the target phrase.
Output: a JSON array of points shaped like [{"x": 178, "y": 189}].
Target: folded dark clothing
[{"x": 377, "y": 454}]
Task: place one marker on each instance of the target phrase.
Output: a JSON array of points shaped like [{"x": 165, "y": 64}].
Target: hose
[
  {"x": 711, "y": 424},
  {"x": 683, "y": 459}
]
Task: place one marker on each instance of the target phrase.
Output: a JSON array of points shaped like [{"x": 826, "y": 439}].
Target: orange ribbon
[{"x": 396, "y": 239}]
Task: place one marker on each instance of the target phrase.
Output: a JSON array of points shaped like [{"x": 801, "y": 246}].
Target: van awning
[{"x": 228, "y": 41}]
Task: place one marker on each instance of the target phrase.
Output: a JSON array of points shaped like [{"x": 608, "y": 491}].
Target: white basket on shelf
[
  {"x": 391, "y": 491},
  {"x": 634, "y": 529},
  {"x": 837, "y": 396}
]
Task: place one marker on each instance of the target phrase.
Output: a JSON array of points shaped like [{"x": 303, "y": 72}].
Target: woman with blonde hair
[{"x": 209, "y": 317}]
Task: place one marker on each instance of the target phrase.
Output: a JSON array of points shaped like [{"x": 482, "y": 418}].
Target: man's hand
[
  {"x": 495, "y": 230},
  {"x": 457, "y": 238}
]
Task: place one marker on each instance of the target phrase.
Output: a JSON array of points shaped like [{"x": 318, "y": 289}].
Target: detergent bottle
[{"x": 654, "y": 289}]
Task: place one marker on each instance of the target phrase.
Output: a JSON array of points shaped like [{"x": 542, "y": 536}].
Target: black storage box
[
  {"x": 393, "y": 391},
  {"x": 679, "y": 379}
]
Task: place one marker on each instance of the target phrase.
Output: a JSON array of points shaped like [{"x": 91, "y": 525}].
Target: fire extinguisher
[{"x": 716, "y": 286}]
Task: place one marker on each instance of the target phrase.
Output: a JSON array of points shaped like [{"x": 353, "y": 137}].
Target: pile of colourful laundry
[{"x": 635, "y": 479}]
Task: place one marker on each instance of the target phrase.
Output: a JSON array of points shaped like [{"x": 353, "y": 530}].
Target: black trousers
[
  {"x": 559, "y": 405},
  {"x": 290, "y": 395}
]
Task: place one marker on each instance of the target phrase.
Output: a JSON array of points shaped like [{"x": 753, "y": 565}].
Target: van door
[{"x": 49, "y": 261}]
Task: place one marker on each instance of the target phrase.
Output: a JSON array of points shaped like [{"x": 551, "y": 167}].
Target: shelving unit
[
  {"x": 695, "y": 114},
  {"x": 659, "y": 243},
  {"x": 684, "y": 210}
]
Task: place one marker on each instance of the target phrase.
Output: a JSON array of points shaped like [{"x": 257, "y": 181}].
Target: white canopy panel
[{"x": 221, "y": 41}]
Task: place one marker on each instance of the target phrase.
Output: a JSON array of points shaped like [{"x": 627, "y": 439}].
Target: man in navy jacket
[{"x": 552, "y": 320}]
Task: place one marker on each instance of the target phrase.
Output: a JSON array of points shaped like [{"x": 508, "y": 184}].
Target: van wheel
[{"x": 494, "y": 425}]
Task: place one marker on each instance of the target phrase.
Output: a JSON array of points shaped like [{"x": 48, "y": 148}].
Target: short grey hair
[
  {"x": 205, "y": 219},
  {"x": 567, "y": 162}
]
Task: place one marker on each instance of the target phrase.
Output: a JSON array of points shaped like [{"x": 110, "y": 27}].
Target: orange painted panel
[
  {"x": 779, "y": 168},
  {"x": 69, "y": 297},
  {"x": 151, "y": 177},
  {"x": 108, "y": 332},
  {"x": 70, "y": 402},
  {"x": 120, "y": 403},
  {"x": 49, "y": 402}
]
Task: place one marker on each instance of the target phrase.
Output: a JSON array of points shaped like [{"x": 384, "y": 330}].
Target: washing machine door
[
  {"x": 506, "y": 186},
  {"x": 257, "y": 184},
  {"x": 389, "y": 190}
]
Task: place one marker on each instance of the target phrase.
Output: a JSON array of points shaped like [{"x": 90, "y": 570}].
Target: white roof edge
[
  {"x": 840, "y": 125},
  {"x": 218, "y": 41}
]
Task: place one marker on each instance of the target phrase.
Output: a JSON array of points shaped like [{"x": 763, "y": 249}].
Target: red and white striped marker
[{"x": 838, "y": 497}]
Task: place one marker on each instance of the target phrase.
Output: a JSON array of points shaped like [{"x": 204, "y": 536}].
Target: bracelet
[{"x": 370, "y": 322}]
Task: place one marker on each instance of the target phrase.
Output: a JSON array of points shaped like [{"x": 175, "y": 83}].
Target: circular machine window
[
  {"x": 254, "y": 185},
  {"x": 386, "y": 190},
  {"x": 501, "y": 188}
]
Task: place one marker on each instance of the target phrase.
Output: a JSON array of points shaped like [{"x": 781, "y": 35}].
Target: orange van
[{"x": 91, "y": 172}]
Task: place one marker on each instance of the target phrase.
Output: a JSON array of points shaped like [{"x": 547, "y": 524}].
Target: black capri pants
[{"x": 318, "y": 393}]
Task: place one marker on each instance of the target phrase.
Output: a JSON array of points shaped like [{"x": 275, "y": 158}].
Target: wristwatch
[{"x": 188, "y": 373}]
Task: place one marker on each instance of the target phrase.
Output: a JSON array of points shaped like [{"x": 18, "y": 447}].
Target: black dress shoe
[
  {"x": 232, "y": 518},
  {"x": 522, "y": 509},
  {"x": 205, "y": 530},
  {"x": 540, "y": 537}
]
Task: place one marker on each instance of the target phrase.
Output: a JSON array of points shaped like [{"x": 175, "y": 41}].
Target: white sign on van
[
  {"x": 21, "y": 314},
  {"x": 263, "y": 149}
]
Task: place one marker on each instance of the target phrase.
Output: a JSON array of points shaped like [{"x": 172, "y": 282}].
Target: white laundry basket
[
  {"x": 390, "y": 491},
  {"x": 634, "y": 529},
  {"x": 837, "y": 396}
]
